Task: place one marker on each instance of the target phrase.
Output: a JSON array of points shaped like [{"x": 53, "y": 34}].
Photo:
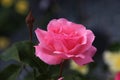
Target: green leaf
[
  {"x": 24, "y": 53},
  {"x": 14, "y": 54},
  {"x": 14, "y": 71},
  {"x": 114, "y": 47},
  {"x": 26, "y": 72},
  {"x": 8, "y": 71},
  {"x": 10, "y": 54}
]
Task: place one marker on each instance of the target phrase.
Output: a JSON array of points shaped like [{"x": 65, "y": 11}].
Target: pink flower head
[
  {"x": 117, "y": 77},
  {"x": 65, "y": 40}
]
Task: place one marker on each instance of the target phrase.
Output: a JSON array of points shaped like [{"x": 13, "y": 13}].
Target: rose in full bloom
[
  {"x": 65, "y": 40},
  {"x": 117, "y": 76}
]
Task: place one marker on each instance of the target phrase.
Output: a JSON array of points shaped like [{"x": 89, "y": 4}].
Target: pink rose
[
  {"x": 65, "y": 40},
  {"x": 117, "y": 77}
]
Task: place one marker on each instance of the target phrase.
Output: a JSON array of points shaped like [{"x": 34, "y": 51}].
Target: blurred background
[{"x": 101, "y": 16}]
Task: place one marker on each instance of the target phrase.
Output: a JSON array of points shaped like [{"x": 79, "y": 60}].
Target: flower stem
[
  {"x": 61, "y": 69},
  {"x": 30, "y": 33}
]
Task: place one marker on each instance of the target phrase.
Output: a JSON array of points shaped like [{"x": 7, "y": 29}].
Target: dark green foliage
[
  {"x": 114, "y": 47},
  {"x": 24, "y": 63}
]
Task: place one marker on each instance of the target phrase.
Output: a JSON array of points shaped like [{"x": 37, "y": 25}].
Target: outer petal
[
  {"x": 65, "y": 26},
  {"x": 47, "y": 56},
  {"x": 56, "y": 24},
  {"x": 90, "y": 52},
  {"x": 81, "y": 48},
  {"x": 76, "y": 27},
  {"x": 53, "y": 26},
  {"x": 81, "y": 62},
  {"x": 40, "y": 34},
  {"x": 90, "y": 37},
  {"x": 86, "y": 57}
]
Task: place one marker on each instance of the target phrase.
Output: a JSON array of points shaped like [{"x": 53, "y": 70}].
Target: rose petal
[
  {"x": 81, "y": 48},
  {"x": 90, "y": 52},
  {"x": 81, "y": 62},
  {"x": 53, "y": 26},
  {"x": 90, "y": 37},
  {"x": 56, "y": 24},
  {"x": 56, "y": 42},
  {"x": 63, "y": 25},
  {"x": 59, "y": 45},
  {"x": 71, "y": 42},
  {"x": 85, "y": 57},
  {"x": 47, "y": 56},
  {"x": 78, "y": 28},
  {"x": 40, "y": 34}
]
